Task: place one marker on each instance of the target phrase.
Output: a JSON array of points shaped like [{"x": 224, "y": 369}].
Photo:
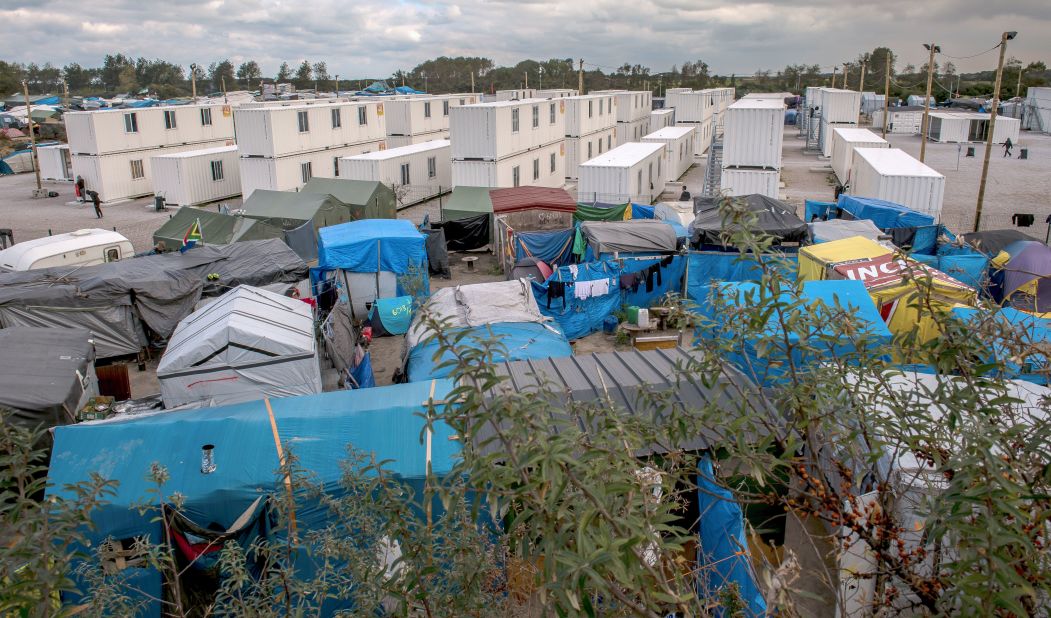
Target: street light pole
[
  {"x": 1004, "y": 38},
  {"x": 193, "y": 81},
  {"x": 886, "y": 94},
  {"x": 927, "y": 101},
  {"x": 32, "y": 141},
  {"x": 337, "y": 85}
]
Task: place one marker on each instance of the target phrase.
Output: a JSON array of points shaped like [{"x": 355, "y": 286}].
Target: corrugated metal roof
[
  {"x": 632, "y": 381},
  {"x": 525, "y": 198}
]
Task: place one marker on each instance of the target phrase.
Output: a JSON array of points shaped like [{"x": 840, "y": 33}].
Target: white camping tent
[{"x": 248, "y": 344}]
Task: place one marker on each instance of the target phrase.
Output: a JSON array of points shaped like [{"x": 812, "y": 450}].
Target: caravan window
[
  {"x": 514, "y": 122},
  {"x": 131, "y": 123},
  {"x": 137, "y": 171},
  {"x": 217, "y": 170},
  {"x": 206, "y": 116},
  {"x": 304, "y": 122},
  {"x": 553, "y": 163},
  {"x": 445, "y": 107},
  {"x": 552, "y": 113},
  {"x": 536, "y": 116},
  {"x": 306, "y": 170},
  {"x": 112, "y": 254},
  {"x": 169, "y": 119},
  {"x": 536, "y": 169},
  {"x": 591, "y": 110}
]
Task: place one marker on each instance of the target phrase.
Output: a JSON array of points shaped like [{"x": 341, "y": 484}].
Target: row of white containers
[
  {"x": 580, "y": 149},
  {"x": 291, "y": 172},
  {"x": 123, "y": 130},
  {"x": 680, "y": 145},
  {"x": 413, "y": 116},
  {"x": 631, "y": 105},
  {"x": 844, "y": 141},
  {"x": 589, "y": 113},
  {"x": 893, "y": 175},
  {"x": 556, "y": 93},
  {"x": 279, "y": 130},
  {"x": 543, "y": 166},
  {"x": 197, "y": 176},
  {"x": 754, "y": 133},
  {"x": 417, "y": 172},
  {"x": 964, "y": 127},
  {"x": 492, "y": 131},
  {"x": 698, "y": 105},
  {"x": 632, "y": 172}
]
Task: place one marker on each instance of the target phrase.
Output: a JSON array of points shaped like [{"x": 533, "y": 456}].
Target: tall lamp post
[
  {"x": 1004, "y": 38},
  {"x": 933, "y": 49}
]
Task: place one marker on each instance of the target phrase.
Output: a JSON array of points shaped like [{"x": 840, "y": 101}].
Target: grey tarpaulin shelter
[
  {"x": 46, "y": 374},
  {"x": 635, "y": 382},
  {"x": 774, "y": 217},
  {"x": 114, "y": 301},
  {"x": 838, "y": 229},
  {"x": 216, "y": 228},
  {"x": 635, "y": 236},
  {"x": 246, "y": 345}
]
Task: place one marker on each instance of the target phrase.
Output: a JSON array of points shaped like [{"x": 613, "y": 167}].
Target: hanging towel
[
  {"x": 556, "y": 289},
  {"x": 584, "y": 290},
  {"x": 579, "y": 245},
  {"x": 629, "y": 281},
  {"x": 573, "y": 269},
  {"x": 1022, "y": 219},
  {"x": 666, "y": 262}
]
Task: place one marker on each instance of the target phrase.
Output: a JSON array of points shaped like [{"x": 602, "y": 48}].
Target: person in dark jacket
[
  {"x": 94, "y": 195},
  {"x": 1007, "y": 147},
  {"x": 79, "y": 190}
]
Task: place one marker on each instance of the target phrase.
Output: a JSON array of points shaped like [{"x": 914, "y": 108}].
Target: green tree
[
  {"x": 303, "y": 75},
  {"x": 321, "y": 76},
  {"x": 11, "y": 76},
  {"x": 77, "y": 77},
  {"x": 249, "y": 73},
  {"x": 221, "y": 72},
  {"x": 284, "y": 73},
  {"x": 113, "y": 67}
]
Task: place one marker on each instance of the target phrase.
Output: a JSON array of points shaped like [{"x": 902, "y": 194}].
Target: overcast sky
[{"x": 359, "y": 38}]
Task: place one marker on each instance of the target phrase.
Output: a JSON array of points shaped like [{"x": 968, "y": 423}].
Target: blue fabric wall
[
  {"x": 520, "y": 340},
  {"x": 553, "y": 248},
  {"x": 709, "y": 267},
  {"x": 579, "y": 318}
]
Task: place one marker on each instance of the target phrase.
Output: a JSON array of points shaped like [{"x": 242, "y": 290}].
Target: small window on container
[
  {"x": 426, "y": 109},
  {"x": 432, "y": 167},
  {"x": 304, "y": 122},
  {"x": 536, "y": 169},
  {"x": 217, "y": 170},
  {"x": 335, "y": 166},
  {"x": 609, "y": 142},
  {"x": 131, "y": 123},
  {"x": 552, "y": 113},
  {"x": 516, "y": 176},
  {"x": 600, "y": 101},
  {"x": 404, "y": 173},
  {"x": 591, "y": 108},
  {"x": 206, "y": 116},
  {"x": 363, "y": 116},
  {"x": 137, "y": 171},
  {"x": 536, "y": 116},
  {"x": 337, "y": 118},
  {"x": 553, "y": 166},
  {"x": 589, "y": 150},
  {"x": 445, "y": 107},
  {"x": 112, "y": 254},
  {"x": 306, "y": 170},
  {"x": 514, "y": 122},
  {"x": 169, "y": 119}
]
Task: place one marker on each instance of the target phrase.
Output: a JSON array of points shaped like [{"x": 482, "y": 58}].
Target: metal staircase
[
  {"x": 714, "y": 169},
  {"x": 813, "y": 132}
]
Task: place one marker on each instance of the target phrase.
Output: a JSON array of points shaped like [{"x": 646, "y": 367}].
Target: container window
[
  {"x": 461, "y": 101},
  {"x": 514, "y": 122},
  {"x": 552, "y": 113},
  {"x": 337, "y": 119},
  {"x": 445, "y": 107},
  {"x": 600, "y": 101},
  {"x": 217, "y": 170},
  {"x": 600, "y": 145},
  {"x": 658, "y": 168},
  {"x": 553, "y": 163},
  {"x": 650, "y": 174},
  {"x": 432, "y": 167},
  {"x": 591, "y": 108},
  {"x": 137, "y": 169},
  {"x": 404, "y": 173},
  {"x": 335, "y": 166},
  {"x": 639, "y": 181},
  {"x": 206, "y": 116},
  {"x": 306, "y": 170},
  {"x": 304, "y": 122},
  {"x": 536, "y": 169},
  {"x": 589, "y": 150},
  {"x": 536, "y": 116},
  {"x": 609, "y": 142},
  {"x": 363, "y": 117},
  {"x": 131, "y": 123},
  {"x": 169, "y": 119},
  {"x": 426, "y": 109},
  {"x": 516, "y": 176}
]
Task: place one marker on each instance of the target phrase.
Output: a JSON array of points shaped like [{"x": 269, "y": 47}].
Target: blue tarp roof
[
  {"x": 1027, "y": 328},
  {"x": 886, "y": 215},
  {"x": 521, "y": 341},
  {"x": 369, "y": 245}
]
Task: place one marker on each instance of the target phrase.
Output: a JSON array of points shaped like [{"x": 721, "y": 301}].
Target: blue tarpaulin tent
[
  {"x": 520, "y": 341},
  {"x": 886, "y": 215},
  {"x": 374, "y": 245},
  {"x": 709, "y": 267},
  {"x": 554, "y": 248},
  {"x": 317, "y": 429},
  {"x": 765, "y": 361},
  {"x": 1028, "y": 329}
]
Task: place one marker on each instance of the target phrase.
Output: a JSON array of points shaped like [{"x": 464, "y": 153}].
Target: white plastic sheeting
[{"x": 477, "y": 305}]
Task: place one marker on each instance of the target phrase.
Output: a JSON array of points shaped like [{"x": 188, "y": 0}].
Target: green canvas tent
[
  {"x": 467, "y": 202},
  {"x": 289, "y": 210},
  {"x": 216, "y": 228},
  {"x": 366, "y": 199}
]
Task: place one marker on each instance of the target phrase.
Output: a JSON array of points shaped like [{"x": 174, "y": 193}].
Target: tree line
[{"x": 122, "y": 74}]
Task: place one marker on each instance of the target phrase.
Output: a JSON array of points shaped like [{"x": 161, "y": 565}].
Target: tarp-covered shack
[
  {"x": 300, "y": 215},
  {"x": 544, "y": 212},
  {"x": 117, "y": 301},
  {"x": 773, "y": 217},
  {"x": 366, "y": 199},
  {"x": 633, "y": 236},
  {"x": 46, "y": 375},
  {"x": 245, "y": 345},
  {"x": 215, "y": 229}
]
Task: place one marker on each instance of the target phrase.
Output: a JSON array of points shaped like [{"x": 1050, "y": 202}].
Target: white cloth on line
[{"x": 584, "y": 290}]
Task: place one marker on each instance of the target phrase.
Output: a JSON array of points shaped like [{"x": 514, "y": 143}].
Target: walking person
[
  {"x": 94, "y": 195},
  {"x": 78, "y": 189},
  {"x": 1007, "y": 147}
]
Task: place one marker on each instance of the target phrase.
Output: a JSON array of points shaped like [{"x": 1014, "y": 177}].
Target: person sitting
[{"x": 685, "y": 195}]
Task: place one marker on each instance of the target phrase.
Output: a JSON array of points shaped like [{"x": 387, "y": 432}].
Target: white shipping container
[
  {"x": 838, "y": 105},
  {"x": 703, "y": 132},
  {"x": 689, "y": 105},
  {"x": 55, "y": 162},
  {"x": 543, "y": 167},
  {"x": 660, "y": 118},
  {"x": 588, "y": 114},
  {"x": 965, "y": 127},
  {"x": 754, "y": 133},
  {"x": 680, "y": 144},
  {"x": 844, "y": 141},
  {"x": 812, "y": 96},
  {"x": 280, "y": 130},
  {"x": 493, "y": 131},
  {"x": 632, "y": 172},
  {"x": 122, "y": 130},
  {"x": 744, "y": 181},
  {"x": 517, "y": 94},
  {"x": 416, "y": 173},
  {"x": 411, "y": 116},
  {"x": 631, "y": 105},
  {"x": 825, "y": 135},
  {"x": 556, "y": 93},
  {"x": 891, "y": 174},
  {"x": 903, "y": 121},
  {"x": 918, "y": 99},
  {"x": 197, "y": 176},
  {"x": 124, "y": 175},
  {"x": 631, "y": 131},
  {"x": 1038, "y": 109},
  {"x": 290, "y": 173},
  {"x": 581, "y": 149},
  {"x": 1006, "y": 128},
  {"x": 399, "y": 141}
]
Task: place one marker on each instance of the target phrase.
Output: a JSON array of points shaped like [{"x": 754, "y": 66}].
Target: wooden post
[
  {"x": 472, "y": 81},
  {"x": 927, "y": 104},
  {"x": 32, "y": 140},
  {"x": 834, "y": 67},
  {"x": 580, "y": 77},
  {"x": 992, "y": 126},
  {"x": 886, "y": 94}
]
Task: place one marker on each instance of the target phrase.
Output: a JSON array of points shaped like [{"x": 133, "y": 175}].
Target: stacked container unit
[
  {"x": 591, "y": 123},
  {"x": 509, "y": 144},
  {"x": 903, "y": 120},
  {"x": 414, "y": 120},
  {"x": 838, "y": 108},
  {"x": 55, "y": 162},
  {"x": 680, "y": 145},
  {"x": 633, "y": 172},
  {"x": 518, "y": 94},
  {"x": 695, "y": 108},
  {"x": 1037, "y": 115},
  {"x": 844, "y": 141},
  {"x": 722, "y": 99},
  {"x": 416, "y": 173},
  {"x": 633, "y": 113},
  {"x": 284, "y": 146},
  {"x": 891, "y": 174},
  {"x": 752, "y": 147},
  {"x": 965, "y": 127},
  {"x": 661, "y": 118},
  {"x": 556, "y": 93},
  {"x": 197, "y": 176},
  {"x": 111, "y": 149}
]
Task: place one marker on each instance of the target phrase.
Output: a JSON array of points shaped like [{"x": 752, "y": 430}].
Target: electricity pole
[
  {"x": 834, "y": 67},
  {"x": 846, "y": 72},
  {"x": 472, "y": 81},
  {"x": 540, "y": 73},
  {"x": 580, "y": 77},
  {"x": 1018, "y": 87},
  {"x": 32, "y": 141},
  {"x": 861, "y": 86},
  {"x": 526, "y": 80},
  {"x": 337, "y": 85},
  {"x": 1004, "y": 38},
  {"x": 927, "y": 101},
  {"x": 193, "y": 81},
  {"x": 886, "y": 94}
]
